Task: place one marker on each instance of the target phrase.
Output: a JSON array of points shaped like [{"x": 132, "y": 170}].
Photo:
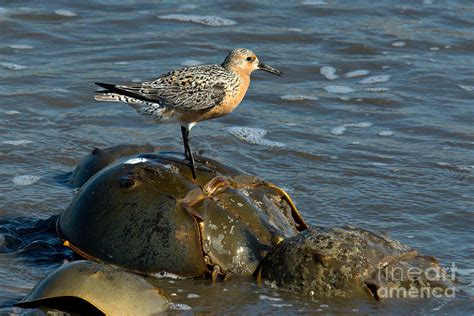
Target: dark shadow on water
[
  {"x": 33, "y": 242},
  {"x": 62, "y": 178}
]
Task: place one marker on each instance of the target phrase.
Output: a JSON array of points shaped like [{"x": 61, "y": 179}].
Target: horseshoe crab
[
  {"x": 146, "y": 214},
  {"x": 347, "y": 261},
  {"x": 100, "y": 158},
  {"x": 89, "y": 288}
]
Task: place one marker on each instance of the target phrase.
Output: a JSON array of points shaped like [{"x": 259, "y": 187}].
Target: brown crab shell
[{"x": 146, "y": 213}]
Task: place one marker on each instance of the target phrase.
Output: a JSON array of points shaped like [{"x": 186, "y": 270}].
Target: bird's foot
[
  {"x": 193, "y": 171},
  {"x": 191, "y": 164}
]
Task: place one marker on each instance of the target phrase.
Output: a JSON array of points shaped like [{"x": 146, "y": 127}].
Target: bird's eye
[{"x": 249, "y": 58}]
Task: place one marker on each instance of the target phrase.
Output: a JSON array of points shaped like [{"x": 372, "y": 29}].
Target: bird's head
[{"x": 245, "y": 61}]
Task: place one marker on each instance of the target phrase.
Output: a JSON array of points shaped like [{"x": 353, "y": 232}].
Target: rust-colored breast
[
  {"x": 235, "y": 92},
  {"x": 233, "y": 97}
]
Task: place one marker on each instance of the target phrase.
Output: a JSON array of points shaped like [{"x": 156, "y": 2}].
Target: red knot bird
[{"x": 190, "y": 95}]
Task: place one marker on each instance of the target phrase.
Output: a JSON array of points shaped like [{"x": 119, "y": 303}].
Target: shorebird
[{"x": 190, "y": 95}]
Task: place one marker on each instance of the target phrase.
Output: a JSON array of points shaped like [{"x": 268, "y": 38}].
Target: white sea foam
[
  {"x": 342, "y": 129},
  {"x": 12, "y": 112},
  {"x": 180, "y": 307},
  {"x": 208, "y": 20},
  {"x": 191, "y": 62},
  {"x": 379, "y": 164},
  {"x": 434, "y": 48},
  {"x": 314, "y": 2},
  {"x": 122, "y": 63},
  {"x": 12, "y": 66},
  {"x": 297, "y": 97},
  {"x": 385, "y": 133},
  {"x": 134, "y": 161},
  {"x": 21, "y": 46},
  {"x": 376, "y": 89},
  {"x": 398, "y": 44},
  {"x": 467, "y": 88},
  {"x": 192, "y": 295},
  {"x": 17, "y": 142},
  {"x": 360, "y": 125},
  {"x": 329, "y": 72},
  {"x": 25, "y": 179},
  {"x": 357, "y": 73},
  {"x": 466, "y": 168},
  {"x": 338, "y": 89},
  {"x": 269, "y": 298},
  {"x": 375, "y": 79},
  {"x": 189, "y": 6},
  {"x": 338, "y": 130},
  {"x": 253, "y": 136},
  {"x": 65, "y": 13}
]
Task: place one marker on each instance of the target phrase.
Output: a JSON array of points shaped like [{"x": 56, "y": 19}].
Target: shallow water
[{"x": 382, "y": 137}]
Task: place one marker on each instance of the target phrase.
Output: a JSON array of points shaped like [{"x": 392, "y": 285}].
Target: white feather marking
[
  {"x": 153, "y": 109},
  {"x": 190, "y": 125}
]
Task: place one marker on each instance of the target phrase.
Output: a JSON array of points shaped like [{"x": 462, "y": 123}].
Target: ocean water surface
[{"x": 372, "y": 125}]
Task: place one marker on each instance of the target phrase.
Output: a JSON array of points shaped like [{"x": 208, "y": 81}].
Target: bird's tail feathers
[
  {"x": 121, "y": 94},
  {"x": 108, "y": 86},
  {"x": 107, "y": 96}
]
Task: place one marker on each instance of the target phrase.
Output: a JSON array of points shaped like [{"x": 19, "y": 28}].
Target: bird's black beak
[{"x": 269, "y": 69}]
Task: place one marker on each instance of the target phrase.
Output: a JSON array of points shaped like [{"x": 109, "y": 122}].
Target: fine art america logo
[{"x": 432, "y": 282}]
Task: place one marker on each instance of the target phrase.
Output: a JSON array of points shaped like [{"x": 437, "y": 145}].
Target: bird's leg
[
  {"x": 185, "y": 134},
  {"x": 187, "y": 150}
]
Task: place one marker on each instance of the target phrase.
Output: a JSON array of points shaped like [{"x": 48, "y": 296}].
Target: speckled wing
[{"x": 188, "y": 90}]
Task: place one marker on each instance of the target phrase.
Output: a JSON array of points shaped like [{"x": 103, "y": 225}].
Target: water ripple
[{"x": 208, "y": 20}]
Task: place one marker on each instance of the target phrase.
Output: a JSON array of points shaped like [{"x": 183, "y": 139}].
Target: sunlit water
[{"x": 372, "y": 124}]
